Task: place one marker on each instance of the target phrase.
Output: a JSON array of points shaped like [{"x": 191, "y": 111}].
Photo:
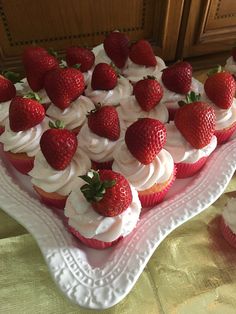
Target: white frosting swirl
[
  {"x": 181, "y": 150},
  {"x": 102, "y": 57},
  {"x": 23, "y": 141},
  {"x": 59, "y": 181},
  {"x": 4, "y": 112},
  {"x": 99, "y": 149},
  {"x": 122, "y": 90},
  {"x": 230, "y": 65},
  {"x": 229, "y": 214},
  {"x": 135, "y": 72},
  {"x": 90, "y": 224},
  {"x": 75, "y": 115},
  {"x": 142, "y": 177},
  {"x": 130, "y": 111}
]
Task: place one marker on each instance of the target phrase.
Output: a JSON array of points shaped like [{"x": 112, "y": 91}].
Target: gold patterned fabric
[{"x": 192, "y": 271}]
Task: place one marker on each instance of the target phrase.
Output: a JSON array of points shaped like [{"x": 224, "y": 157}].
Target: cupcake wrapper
[
  {"x": 102, "y": 165},
  {"x": 2, "y": 129},
  {"x": 23, "y": 165},
  {"x": 227, "y": 233},
  {"x": 185, "y": 170},
  {"x": 224, "y": 135},
  {"x": 93, "y": 243},
  {"x": 58, "y": 203}
]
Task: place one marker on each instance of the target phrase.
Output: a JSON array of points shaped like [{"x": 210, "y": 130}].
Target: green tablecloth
[{"x": 192, "y": 271}]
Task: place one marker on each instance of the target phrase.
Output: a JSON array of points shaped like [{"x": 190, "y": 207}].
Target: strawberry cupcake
[
  {"x": 102, "y": 209},
  {"x": 99, "y": 136},
  {"x": 56, "y": 167},
  {"x": 227, "y": 224},
  {"x": 220, "y": 89},
  {"x": 143, "y": 161},
  {"x": 23, "y": 131},
  {"x": 107, "y": 87},
  {"x": 190, "y": 138}
]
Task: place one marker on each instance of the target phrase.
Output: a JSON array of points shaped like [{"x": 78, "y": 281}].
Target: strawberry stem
[
  {"x": 192, "y": 97},
  {"x": 33, "y": 95},
  {"x": 57, "y": 125},
  {"x": 215, "y": 70},
  {"x": 12, "y": 76}
]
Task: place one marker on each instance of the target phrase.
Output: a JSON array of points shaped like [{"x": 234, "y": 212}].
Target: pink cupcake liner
[
  {"x": 93, "y": 243},
  {"x": 21, "y": 165},
  {"x": 2, "y": 129},
  {"x": 51, "y": 202},
  {"x": 185, "y": 170},
  {"x": 102, "y": 165},
  {"x": 225, "y": 134},
  {"x": 227, "y": 233},
  {"x": 156, "y": 198}
]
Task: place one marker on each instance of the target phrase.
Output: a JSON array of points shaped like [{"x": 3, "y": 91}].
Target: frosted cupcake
[
  {"x": 143, "y": 161},
  {"x": 103, "y": 211},
  {"x": 228, "y": 222}
]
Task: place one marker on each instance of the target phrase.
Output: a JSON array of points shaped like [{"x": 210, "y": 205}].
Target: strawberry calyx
[
  {"x": 215, "y": 70},
  {"x": 57, "y": 125},
  {"x": 150, "y": 77},
  {"x": 190, "y": 98},
  {"x": 34, "y": 96},
  {"x": 95, "y": 189},
  {"x": 14, "y": 77},
  {"x": 97, "y": 107}
]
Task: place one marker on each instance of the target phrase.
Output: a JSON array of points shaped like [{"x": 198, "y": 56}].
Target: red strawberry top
[
  {"x": 220, "y": 88},
  {"x": 116, "y": 46},
  {"x": 80, "y": 56},
  {"x": 25, "y": 112},
  {"x": 145, "y": 138},
  {"x": 104, "y": 121},
  {"x": 142, "y": 53},
  {"x": 196, "y": 122},
  {"x": 64, "y": 85},
  {"x": 104, "y": 77},
  {"x": 58, "y": 145},
  {"x": 148, "y": 93},
  {"x": 108, "y": 192},
  {"x": 7, "y": 89},
  {"x": 178, "y": 77}
]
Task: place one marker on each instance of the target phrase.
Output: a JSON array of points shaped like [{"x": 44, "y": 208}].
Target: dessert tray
[{"x": 100, "y": 279}]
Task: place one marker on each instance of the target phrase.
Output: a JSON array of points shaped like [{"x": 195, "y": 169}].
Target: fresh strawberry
[
  {"x": 104, "y": 121},
  {"x": 142, "y": 53},
  {"x": 233, "y": 53},
  {"x": 37, "y": 62},
  {"x": 58, "y": 145},
  {"x": 82, "y": 56},
  {"x": 178, "y": 77},
  {"x": 104, "y": 77},
  {"x": 64, "y": 86},
  {"x": 145, "y": 138},
  {"x": 116, "y": 46},
  {"x": 148, "y": 93},
  {"x": 108, "y": 192},
  {"x": 7, "y": 89},
  {"x": 25, "y": 112},
  {"x": 220, "y": 88},
  {"x": 196, "y": 122}
]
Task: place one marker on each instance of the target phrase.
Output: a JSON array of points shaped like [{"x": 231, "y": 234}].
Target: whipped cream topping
[
  {"x": 59, "y": 181},
  {"x": 4, "y": 112},
  {"x": 73, "y": 116},
  {"x": 87, "y": 76},
  {"x": 122, "y": 90},
  {"x": 142, "y": 177},
  {"x": 130, "y": 111},
  {"x": 99, "y": 149},
  {"x": 102, "y": 57},
  {"x": 91, "y": 224},
  {"x": 224, "y": 117},
  {"x": 181, "y": 150},
  {"x": 23, "y": 141},
  {"x": 229, "y": 214},
  {"x": 135, "y": 72},
  {"x": 171, "y": 99},
  {"x": 230, "y": 65}
]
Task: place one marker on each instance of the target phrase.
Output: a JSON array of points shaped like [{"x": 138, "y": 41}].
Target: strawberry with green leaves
[
  {"x": 145, "y": 138},
  {"x": 80, "y": 56},
  {"x": 220, "y": 88},
  {"x": 148, "y": 93},
  {"x": 58, "y": 145},
  {"x": 142, "y": 53},
  {"x": 108, "y": 192},
  {"x": 104, "y": 77}
]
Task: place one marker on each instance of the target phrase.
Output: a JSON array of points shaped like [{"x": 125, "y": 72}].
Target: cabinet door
[
  {"x": 60, "y": 23},
  {"x": 208, "y": 26}
]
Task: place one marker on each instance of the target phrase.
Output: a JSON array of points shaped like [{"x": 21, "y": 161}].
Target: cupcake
[
  {"x": 102, "y": 209},
  {"x": 107, "y": 87},
  {"x": 230, "y": 65},
  {"x": 56, "y": 167},
  {"x": 143, "y": 161},
  {"x": 190, "y": 138},
  {"x": 142, "y": 62},
  {"x": 227, "y": 224},
  {"x": 23, "y": 131},
  {"x": 220, "y": 89},
  {"x": 99, "y": 136}
]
